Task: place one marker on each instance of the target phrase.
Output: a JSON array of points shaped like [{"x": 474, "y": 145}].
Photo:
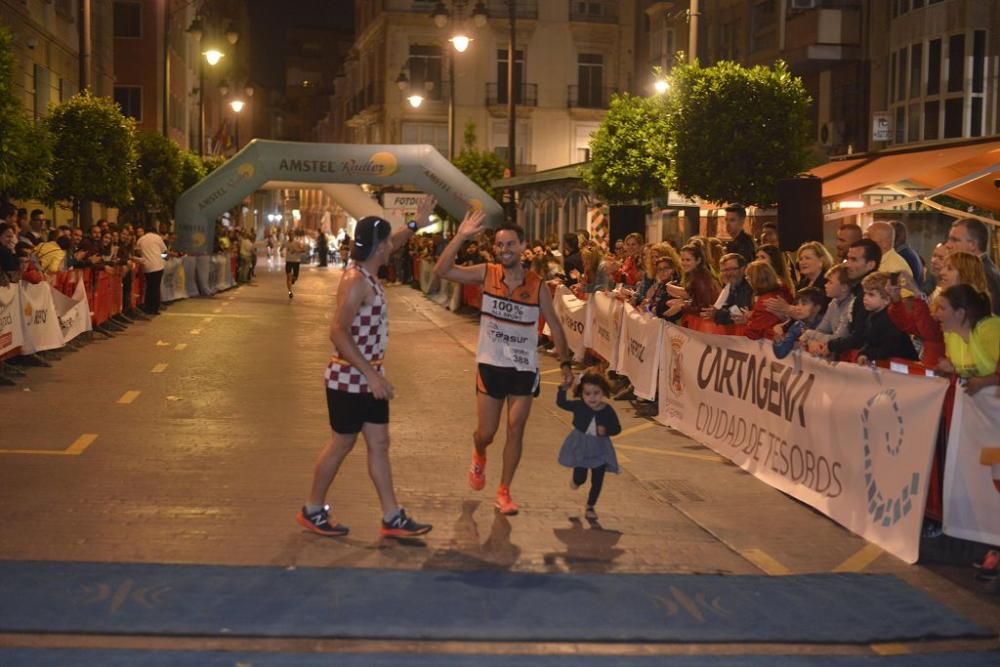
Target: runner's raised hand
[
  {"x": 424, "y": 210},
  {"x": 472, "y": 224}
]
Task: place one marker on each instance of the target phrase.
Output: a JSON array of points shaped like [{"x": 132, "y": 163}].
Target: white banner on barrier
[
  {"x": 572, "y": 314},
  {"x": 11, "y": 332},
  {"x": 172, "y": 285},
  {"x": 73, "y": 313},
  {"x": 39, "y": 319},
  {"x": 852, "y": 442},
  {"x": 638, "y": 350},
  {"x": 972, "y": 470},
  {"x": 605, "y": 323}
]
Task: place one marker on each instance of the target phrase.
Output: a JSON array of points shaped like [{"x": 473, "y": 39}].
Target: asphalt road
[{"x": 191, "y": 439}]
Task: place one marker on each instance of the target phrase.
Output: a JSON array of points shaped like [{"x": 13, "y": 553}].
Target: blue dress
[{"x": 586, "y": 450}]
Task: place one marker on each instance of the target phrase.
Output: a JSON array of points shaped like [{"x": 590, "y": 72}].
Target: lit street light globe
[
  {"x": 661, "y": 86},
  {"x": 460, "y": 42},
  {"x": 415, "y": 100},
  {"x": 213, "y": 56},
  {"x": 237, "y": 105}
]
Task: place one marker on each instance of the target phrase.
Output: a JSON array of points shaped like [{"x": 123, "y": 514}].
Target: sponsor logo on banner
[
  {"x": 40, "y": 328},
  {"x": 883, "y": 427},
  {"x": 10, "y": 318}
]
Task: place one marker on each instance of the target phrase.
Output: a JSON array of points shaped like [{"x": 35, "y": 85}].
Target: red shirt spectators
[
  {"x": 761, "y": 322},
  {"x": 913, "y": 317}
]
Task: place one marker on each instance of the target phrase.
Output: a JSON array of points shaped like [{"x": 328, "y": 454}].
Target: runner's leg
[
  {"x": 379, "y": 469},
  {"x": 488, "y": 411},
  {"x": 328, "y": 464},
  {"x": 518, "y": 409}
]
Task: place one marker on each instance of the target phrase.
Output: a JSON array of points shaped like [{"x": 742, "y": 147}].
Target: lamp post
[
  {"x": 237, "y": 106},
  {"x": 212, "y": 56}
]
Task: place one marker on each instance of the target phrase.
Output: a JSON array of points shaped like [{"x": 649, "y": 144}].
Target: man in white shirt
[{"x": 152, "y": 251}]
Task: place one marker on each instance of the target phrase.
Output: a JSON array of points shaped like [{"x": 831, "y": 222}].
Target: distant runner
[
  {"x": 507, "y": 355},
  {"x": 294, "y": 251},
  {"x": 357, "y": 393}
]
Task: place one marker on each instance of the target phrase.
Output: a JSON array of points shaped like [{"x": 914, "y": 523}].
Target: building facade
[{"x": 569, "y": 58}]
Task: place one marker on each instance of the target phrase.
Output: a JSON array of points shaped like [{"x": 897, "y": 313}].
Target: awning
[{"x": 930, "y": 166}]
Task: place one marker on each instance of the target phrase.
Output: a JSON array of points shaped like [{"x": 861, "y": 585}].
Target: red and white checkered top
[{"x": 370, "y": 330}]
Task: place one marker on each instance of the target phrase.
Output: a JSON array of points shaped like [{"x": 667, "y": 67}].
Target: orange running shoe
[
  {"x": 477, "y": 471},
  {"x": 504, "y": 502}
]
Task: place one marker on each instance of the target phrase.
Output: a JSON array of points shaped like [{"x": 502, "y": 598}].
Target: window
[
  {"x": 953, "y": 118},
  {"x": 502, "y": 63},
  {"x": 435, "y": 134},
  {"x": 913, "y": 124},
  {"x": 129, "y": 98},
  {"x": 764, "y": 25},
  {"x": 892, "y": 77},
  {"x": 900, "y": 124},
  {"x": 934, "y": 67},
  {"x": 976, "y": 122},
  {"x": 901, "y": 76},
  {"x": 978, "y": 61},
  {"x": 931, "y": 120},
  {"x": 916, "y": 61},
  {"x": 128, "y": 20},
  {"x": 956, "y": 63},
  {"x": 590, "y": 79},
  {"x": 425, "y": 67}
]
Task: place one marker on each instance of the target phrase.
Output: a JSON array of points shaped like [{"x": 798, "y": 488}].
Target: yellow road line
[
  {"x": 217, "y": 310},
  {"x": 207, "y": 319},
  {"x": 77, "y": 448},
  {"x": 159, "y": 368},
  {"x": 551, "y": 370},
  {"x": 864, "y": 557},
  {"x": 765, "y": 562},
  {"x": 667, "y": 452},
  {"x": 128, "y": 397},
  {"x": 890, "y": 649},
  {"x": 195, "y": 332},
  {"x": 555, "y": 384},
  {"x": 180, "y": 346},
  {"x": 636, "y": 429}
]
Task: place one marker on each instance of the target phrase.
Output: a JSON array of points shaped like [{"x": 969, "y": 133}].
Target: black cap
[{"x": 368, "y": 233}]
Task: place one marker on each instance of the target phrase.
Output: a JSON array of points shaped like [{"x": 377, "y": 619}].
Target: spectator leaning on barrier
[
  {"x": 806, "y": 313},
  {"x": 847, "y": 234},
  {"x": 913, "y": 317},
  {"x": 837, "y": 318},
  {"x": 152, "y": 252},
  {"x": 572, "y": 261},
  {"x": 52, "y": 254},
  {"x": 882, "y": 339},
  {"x": 740, "y": 242},
  {"x": 972, "y": 236},
  {"x": 772, "y": 255},
  {"x": 766, "y": 286},
  {"x": 814, "y": 261},
  {"x": 736, "y": 295},
  {"x": 971, "y": 336},
  {"x": 863, "y": 257},
  {"x": 701, "y": 286}
]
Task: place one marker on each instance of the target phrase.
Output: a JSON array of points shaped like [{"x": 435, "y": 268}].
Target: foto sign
[{"x": 881, "y": 126}]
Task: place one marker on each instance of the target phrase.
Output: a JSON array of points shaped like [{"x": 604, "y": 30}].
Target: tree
[
  {"x": 211, "y": 162},
  {"x": 192, "y": 170},
  {"x": 157, "y": 181},
  {"x": 736, "y": 131},
  {"x": 628, "y": 152},
  {"x": 483, "y": 167},
  {"x": 94, "y": 154},
  {"x": 25, "y": 148}
]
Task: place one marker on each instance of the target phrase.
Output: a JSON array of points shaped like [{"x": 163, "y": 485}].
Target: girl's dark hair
[
  {"x": 975, "y": 302},
  {"x": 595, "y": 378},
  {"x": 814, "y": 296}
]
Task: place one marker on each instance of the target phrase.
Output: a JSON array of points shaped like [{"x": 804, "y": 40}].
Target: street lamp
[
  {"x": 661, "y": 86},
  {"x": 213, "y": 56},
  {"x": 237, "y": 106}
]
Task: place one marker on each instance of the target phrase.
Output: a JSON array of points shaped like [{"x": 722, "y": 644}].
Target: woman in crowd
[
  {"x": 913, "y": 317},
  {"x": 971, "y": 336},
  {"x": 595, "y": 276},
  {"x": 701, "y": 285},
  {"x": 630, "y": 272},
  {"x": 814, "y": 261},
  {"x": 773, "y": 256},
  {"x": 667, "y": 271},
  {"x": 963, "y": 268},
  {"x": 764, "y": 282}
]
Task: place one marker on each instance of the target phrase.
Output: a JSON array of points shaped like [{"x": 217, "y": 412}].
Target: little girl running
[{"x": 588, "y": 446}]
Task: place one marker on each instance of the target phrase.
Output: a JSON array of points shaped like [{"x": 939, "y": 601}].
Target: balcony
[
  {"x": 593, "y": 11},
  {"x": 524, "y": 95},
  {"x": 589, "y": 97},
  {"x": 525, "y": 9},
  {"x": 818, "y": 37}
]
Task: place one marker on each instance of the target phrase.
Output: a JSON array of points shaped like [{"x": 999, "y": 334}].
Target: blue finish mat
[
  {"x": 134, "y": 658},
  {"x": 208, "y": 600}
]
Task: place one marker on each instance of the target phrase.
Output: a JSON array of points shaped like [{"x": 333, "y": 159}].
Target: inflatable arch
[{"x": 285, "y": 163}]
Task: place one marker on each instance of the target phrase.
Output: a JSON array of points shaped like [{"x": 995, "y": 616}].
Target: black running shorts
[
  {"x": 293, "y": 268},
  {"x": 349, "y": 412},
  {"x": 500, "y": 382}
]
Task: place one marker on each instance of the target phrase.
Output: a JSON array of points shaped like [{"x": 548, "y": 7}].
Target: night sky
[{"x": 270, "y": 18}]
